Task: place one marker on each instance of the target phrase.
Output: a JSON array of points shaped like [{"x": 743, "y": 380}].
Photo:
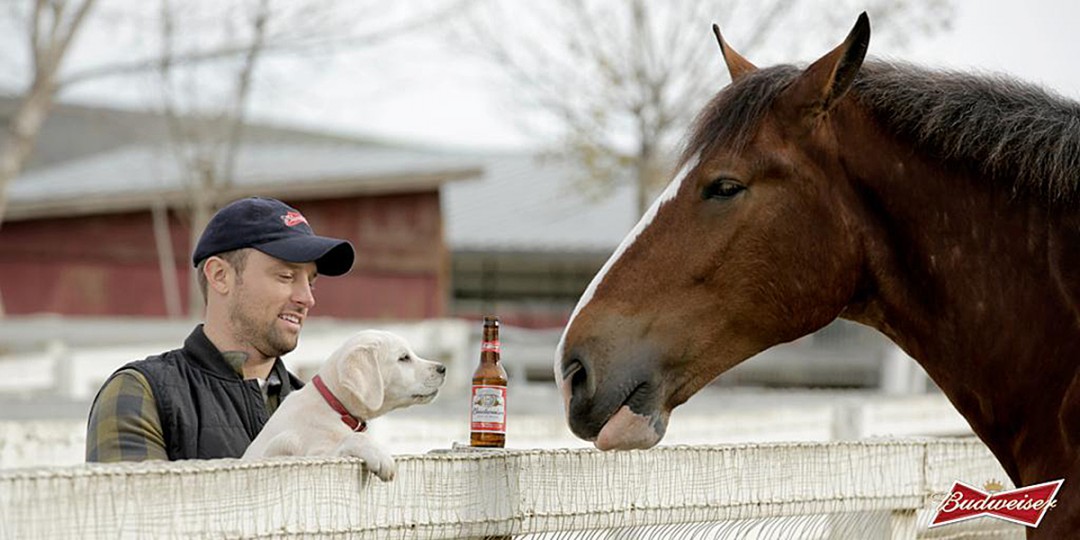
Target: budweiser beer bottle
[{"x": 488, "y": 416}]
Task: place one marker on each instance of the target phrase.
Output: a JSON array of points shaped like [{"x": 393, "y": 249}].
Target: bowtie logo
[
  {"x": 293, "y": 219},
  {"x": 1025, "y": 506}
]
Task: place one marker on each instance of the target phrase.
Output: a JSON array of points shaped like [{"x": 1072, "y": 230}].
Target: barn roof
[
  {"x": 522, "y": 202},
  {"x": 139, "y": 176},
  {"x": 96, "y": 160}
]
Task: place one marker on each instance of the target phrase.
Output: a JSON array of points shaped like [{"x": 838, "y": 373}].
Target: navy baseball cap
[{"x": 275, "y": 229}]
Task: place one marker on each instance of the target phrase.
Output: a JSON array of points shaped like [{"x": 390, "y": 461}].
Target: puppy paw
[
  {"x": 379, "y": 462},
  {"x": 375, "y": 458}
]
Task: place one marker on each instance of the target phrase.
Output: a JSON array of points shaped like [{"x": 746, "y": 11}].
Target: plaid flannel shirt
[{"x": 124, "y": 423}]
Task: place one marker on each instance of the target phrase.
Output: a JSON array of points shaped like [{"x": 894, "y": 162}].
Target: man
[{"x": 257, "y": 262}]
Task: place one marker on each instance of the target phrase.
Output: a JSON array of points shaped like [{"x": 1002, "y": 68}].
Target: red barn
[{"x": 99, "y": 223}]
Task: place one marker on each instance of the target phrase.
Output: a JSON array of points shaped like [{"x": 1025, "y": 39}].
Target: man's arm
[{"x": 124, "y": 423}]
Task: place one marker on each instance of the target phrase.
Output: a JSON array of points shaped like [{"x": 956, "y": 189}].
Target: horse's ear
[
  {"x": 737, "y": 65},
  {"x": 822, "y": 84}
]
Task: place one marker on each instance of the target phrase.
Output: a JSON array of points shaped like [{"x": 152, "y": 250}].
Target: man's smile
[{"x": 292, "y": 319}]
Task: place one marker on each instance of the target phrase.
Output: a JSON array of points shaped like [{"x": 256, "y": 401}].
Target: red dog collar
[{"x": 353, "y": 422}]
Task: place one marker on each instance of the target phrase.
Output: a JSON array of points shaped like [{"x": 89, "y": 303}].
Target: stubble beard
[{"x": 269, "y": 340}]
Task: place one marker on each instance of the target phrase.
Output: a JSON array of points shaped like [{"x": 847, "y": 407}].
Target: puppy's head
[{"x": 378, "y": 372}]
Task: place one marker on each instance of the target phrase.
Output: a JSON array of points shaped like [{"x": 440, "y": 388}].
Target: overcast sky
[
  {"x": 1036, "y": 40},
  {"x": 453, "y": 103},
  {"x": 426, "y": 94}
]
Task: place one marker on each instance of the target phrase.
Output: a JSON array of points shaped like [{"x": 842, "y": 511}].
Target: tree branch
[
  {"x": 72, "y": 26},
  {"x": 271, "y": 45},
  {"x": 243, "y": 90},
  {"x": 624, "y": 75},
  {"x": 35, "y": 33}
]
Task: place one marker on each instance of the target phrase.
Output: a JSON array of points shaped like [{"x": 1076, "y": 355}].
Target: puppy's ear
[{"x": 359, "y": 374}]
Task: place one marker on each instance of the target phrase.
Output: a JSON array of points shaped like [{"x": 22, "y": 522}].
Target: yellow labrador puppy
[{"x": 372, "y": 373}]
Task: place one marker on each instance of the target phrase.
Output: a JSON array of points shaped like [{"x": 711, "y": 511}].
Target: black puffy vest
[{"x": 207, "y": 410}]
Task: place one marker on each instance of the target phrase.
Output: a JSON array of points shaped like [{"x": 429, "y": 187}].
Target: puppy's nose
[{"x": 441, "y": 368}]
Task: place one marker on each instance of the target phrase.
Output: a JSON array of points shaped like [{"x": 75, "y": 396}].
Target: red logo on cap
[{"x": 293, "y": 219}]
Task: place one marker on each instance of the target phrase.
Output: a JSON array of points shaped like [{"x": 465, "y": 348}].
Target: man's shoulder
[
  {"x": 125, "y": 381},
  {"x": 170, "y": 368},
  {"x": 155, "y": 361},
  {"x": 166, "y": 359}
]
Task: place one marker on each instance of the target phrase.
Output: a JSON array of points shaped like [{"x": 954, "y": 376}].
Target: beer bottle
[{"x": 488, "y": 417}]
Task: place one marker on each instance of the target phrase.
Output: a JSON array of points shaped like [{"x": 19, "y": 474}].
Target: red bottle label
[{"x": 488, "y": 409}]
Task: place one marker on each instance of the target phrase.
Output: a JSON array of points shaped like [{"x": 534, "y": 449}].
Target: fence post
[{"x": 902, "y": 524}]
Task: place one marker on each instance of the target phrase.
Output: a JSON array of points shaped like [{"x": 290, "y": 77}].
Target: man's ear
[
  {"x": 219, "y": 274},
  {"x": 358, "y": 373}
]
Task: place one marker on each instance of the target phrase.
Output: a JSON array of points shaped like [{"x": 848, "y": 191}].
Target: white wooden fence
[{"x": 880, "y": 489}]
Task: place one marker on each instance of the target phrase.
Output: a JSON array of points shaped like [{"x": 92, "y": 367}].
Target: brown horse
[{"x": 939, "y": 208}]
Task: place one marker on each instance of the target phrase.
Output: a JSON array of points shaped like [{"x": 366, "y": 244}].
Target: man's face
[{"x": 271, "y": 301}]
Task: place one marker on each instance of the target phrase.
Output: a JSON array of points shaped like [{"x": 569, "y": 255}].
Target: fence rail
[{"x": 883, "y": 489}]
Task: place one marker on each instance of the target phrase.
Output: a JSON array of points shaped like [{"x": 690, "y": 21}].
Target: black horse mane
[{"x": 1013, "y": 132}]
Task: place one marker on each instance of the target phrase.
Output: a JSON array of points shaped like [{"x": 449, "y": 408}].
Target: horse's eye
[
  {"x": 722, "y": 188},
  {"x": 404, "y": 358}
]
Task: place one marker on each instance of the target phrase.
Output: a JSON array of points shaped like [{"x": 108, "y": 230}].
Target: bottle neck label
[
  {"x": 490, "y": 346},
  {"x": 488, "y": 409}
]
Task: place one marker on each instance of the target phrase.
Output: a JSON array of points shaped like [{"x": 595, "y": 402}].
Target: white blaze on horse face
[{"x": 668, "y": 194}]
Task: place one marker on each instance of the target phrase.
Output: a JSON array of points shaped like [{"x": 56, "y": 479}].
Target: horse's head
[{"x": 752, "y": 244}]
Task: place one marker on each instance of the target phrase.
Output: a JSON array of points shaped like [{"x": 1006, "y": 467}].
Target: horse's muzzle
[{"x": 614, "y": 403}]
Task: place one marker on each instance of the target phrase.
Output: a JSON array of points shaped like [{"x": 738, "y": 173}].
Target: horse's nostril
[
  {"x": 572, "y": 368},
  {"x": 441, "y": 368},
  {"x": 575, "y": 371}
]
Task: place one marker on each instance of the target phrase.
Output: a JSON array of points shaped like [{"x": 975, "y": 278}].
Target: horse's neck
[{"x": 981, "y": 289}]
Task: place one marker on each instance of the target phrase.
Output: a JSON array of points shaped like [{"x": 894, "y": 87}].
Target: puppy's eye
[{"x": 404, "y": 358}]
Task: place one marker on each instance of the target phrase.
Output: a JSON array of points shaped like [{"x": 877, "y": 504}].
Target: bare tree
[
  {"x": 622, "y": 79},
  {"x": 205, "y": 138},
  {"x": 206, "y": 103},
  {"x": 314, "y": 27},
  {"x": 243, "y": 32},
  {"x": 52, "y": 25}
]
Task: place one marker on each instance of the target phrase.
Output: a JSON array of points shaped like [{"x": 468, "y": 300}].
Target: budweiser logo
[
  {"x": 1026, "y": 505},
  {"x": 293, "y": 219}
]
